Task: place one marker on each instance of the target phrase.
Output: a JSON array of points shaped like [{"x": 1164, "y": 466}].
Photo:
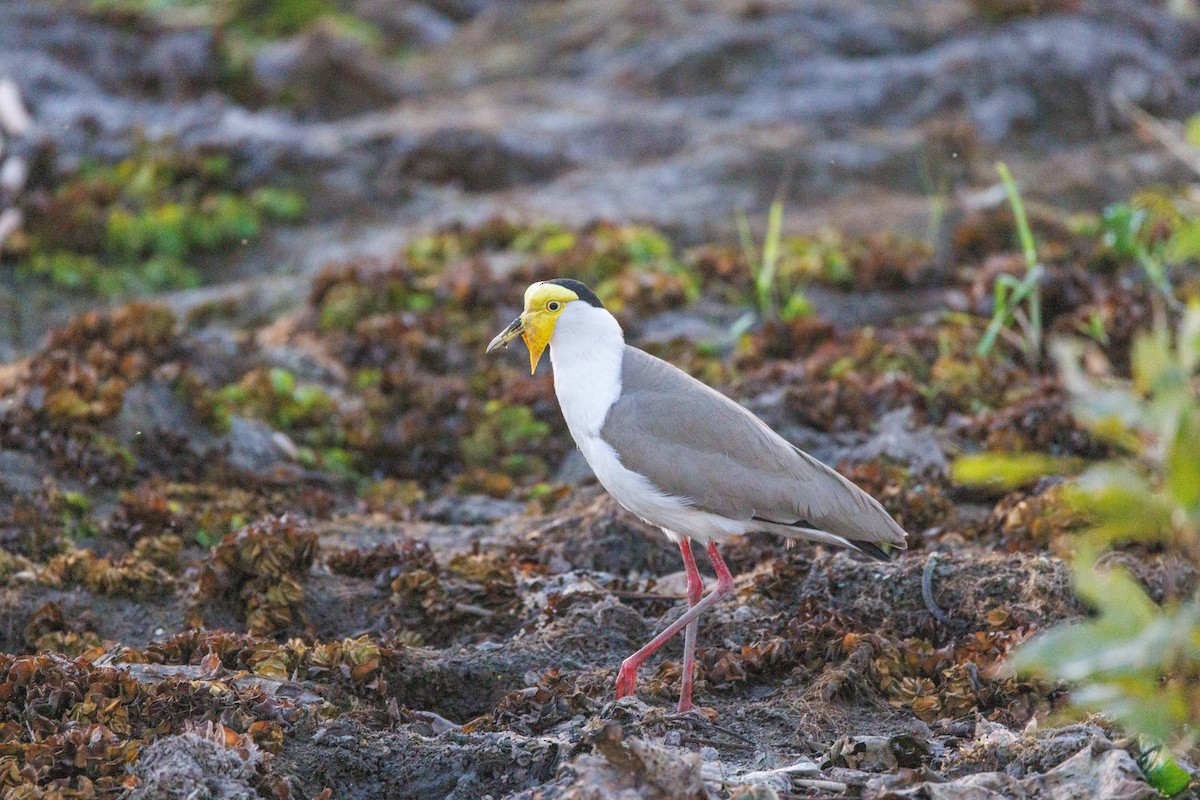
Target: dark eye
[{"x": 553, "y": 305}]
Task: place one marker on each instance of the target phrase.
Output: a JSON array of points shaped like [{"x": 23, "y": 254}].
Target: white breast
[{"x": 586, "y": 350}]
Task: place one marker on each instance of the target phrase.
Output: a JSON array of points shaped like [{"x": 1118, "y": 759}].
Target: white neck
[{"x": 587, "y": 349}]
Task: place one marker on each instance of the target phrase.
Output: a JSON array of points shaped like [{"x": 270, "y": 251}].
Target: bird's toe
[{"x": 627, "y": 678}]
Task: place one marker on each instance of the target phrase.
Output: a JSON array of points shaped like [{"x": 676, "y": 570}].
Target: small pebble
[{"x": 709, "y": 754}]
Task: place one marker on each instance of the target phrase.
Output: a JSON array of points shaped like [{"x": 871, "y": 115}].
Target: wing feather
[{"x": 694, "y": 443}]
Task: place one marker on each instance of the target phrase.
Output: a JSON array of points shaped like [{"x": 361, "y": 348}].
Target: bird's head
[{"x": 545, "y": 303}]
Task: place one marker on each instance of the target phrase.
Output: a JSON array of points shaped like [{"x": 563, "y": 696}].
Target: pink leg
[
  {"x": 695, "y": 592},
  {"x": 627, "y": 676}
]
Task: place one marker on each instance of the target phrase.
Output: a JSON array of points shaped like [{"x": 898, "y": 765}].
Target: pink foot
[{"x": 627, "y": 678}]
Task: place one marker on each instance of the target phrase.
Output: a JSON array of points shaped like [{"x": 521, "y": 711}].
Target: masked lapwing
[{"x": 682, "y": 456}]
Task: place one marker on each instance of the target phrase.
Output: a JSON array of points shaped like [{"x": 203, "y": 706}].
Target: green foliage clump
[
  {"x": 1009, "y": 471},
  {"x": 274, "y": 395},
  {"x": 1135, "y": 660},
  {"x": 822, "y": 256},
  {"x": 306, "y": 412},
  {"x": 1158, "y": 231},
  {"x": 628, "y": 266},
  {"x": 135, "y": 225},
  {"x": 275, "y": 18},
  {"x": 779, "y": 296},
  {"x": 782, "y": 266},
  {"x": 510, "y": 435},
  {"x": 430, "y": 253},
  {"x": 75, "y": 513},
  {"x": 344, "y": 302}
]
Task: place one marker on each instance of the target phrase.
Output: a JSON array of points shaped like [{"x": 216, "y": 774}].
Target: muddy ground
[{"x": 272, "y": 525}]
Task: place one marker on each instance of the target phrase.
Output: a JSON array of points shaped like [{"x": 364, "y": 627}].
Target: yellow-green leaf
[{"x": 1009, "y": 470}]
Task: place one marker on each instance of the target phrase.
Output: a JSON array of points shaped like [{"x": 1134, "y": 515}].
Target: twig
[
  {"x": 1166, "y": 136},
  {"x": 471, "y": 608},
  {"x": 13, "y": 117},
  {"x": 817, "y": 783},
  {"x": 789, "y": 773},
  {"x": 927, "y": 591},
  {"x": 697, "y": 722}
]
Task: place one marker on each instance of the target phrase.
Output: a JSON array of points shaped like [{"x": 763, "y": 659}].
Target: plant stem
[
  {"x": 1010, "y": 293},
  {"x": 1031, "y": 259},
  {"x": 767, "y": 273}
]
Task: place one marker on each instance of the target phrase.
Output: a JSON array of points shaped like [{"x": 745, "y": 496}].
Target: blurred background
[
  {"x": 270, "y": 518},
  {"x": 257, "y": 140}
]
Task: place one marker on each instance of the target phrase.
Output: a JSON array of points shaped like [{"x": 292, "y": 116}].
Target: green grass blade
[
  {"x": 1010, "y": 293},
  {"x": 989, "y": 336},
  {"x": 1018, "y": 208},
  {"x": 768, "y": 273}
]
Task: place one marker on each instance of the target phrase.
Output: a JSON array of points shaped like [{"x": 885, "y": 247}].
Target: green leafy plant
[
  {"x": 1135, "y": 660},
  {"x": 1163, "y": 771},
  {"x": 1124, "y": 227},
  {"x": 75, "y": 513},
  {"x": 348, "y": 300},
  {"x": 276, "y": 17},
  {"x": 511, "y": 434},
  {"x": 306, "y": 412},
  {"x": 274, "y": 395},
  {"x": 1017, "y": 301},
  {"x": 776, "y": 298},
  {"x": 1157, "y": 233},
  {"x": 1008, "y": 470},
  {"x": 823, "y": 256},
  {"x": 137, "y": 224}
]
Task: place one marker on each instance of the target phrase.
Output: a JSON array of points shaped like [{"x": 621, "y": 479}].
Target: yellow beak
[{"x": 534, "y": 328}]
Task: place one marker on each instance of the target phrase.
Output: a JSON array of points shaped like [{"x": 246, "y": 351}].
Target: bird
[{"x": 684, "y": 457}]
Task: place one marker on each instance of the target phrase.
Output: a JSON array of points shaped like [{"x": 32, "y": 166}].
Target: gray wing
[{"x": 694, "y": 443}]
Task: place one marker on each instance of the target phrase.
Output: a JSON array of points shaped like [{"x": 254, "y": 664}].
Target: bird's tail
[{"x": 880, "y": 551}]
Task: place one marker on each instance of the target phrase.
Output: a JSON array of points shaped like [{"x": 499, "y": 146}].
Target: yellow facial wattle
[{"x": 544, "y": 302}]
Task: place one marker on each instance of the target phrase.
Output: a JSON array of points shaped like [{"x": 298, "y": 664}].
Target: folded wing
[{"x": 693, "y": 443}]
